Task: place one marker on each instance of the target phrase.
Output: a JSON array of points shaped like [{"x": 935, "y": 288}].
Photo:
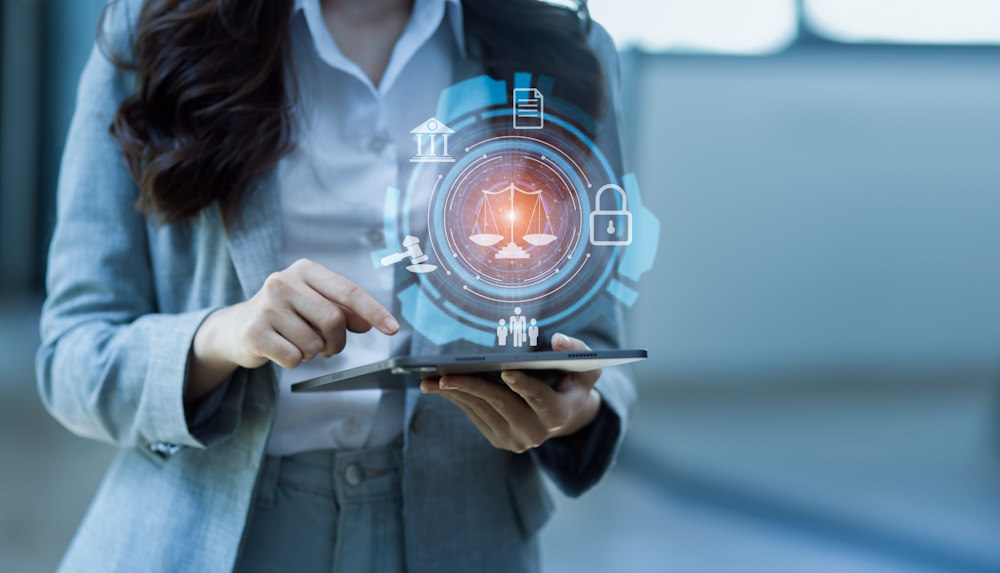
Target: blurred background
[{"x": 823, "y": 392}]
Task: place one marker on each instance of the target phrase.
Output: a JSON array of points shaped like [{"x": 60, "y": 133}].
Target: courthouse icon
[{"x": 427, "y": 150}]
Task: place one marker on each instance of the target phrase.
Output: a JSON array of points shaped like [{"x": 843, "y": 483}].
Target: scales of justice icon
[{"x": 538, "y": 221}]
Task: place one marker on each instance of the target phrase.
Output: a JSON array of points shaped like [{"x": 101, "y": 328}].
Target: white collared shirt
[{"x": 353, "y": 142}]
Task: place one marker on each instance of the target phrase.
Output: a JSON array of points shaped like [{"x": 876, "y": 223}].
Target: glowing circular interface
[
  {"x": 512, "y": 219},
  {"x": 509, "y": 220}
]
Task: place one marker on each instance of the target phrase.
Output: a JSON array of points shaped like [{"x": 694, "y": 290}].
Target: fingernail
[
  {"x": 446, "y": 385},
  {"x": 391, "y": 324},
  {"x": 508, "y": 377},
  {"x": 559, "y": 338}
]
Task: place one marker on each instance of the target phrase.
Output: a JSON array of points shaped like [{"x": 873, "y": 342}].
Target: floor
[
  {"x": 880, "y": 479},
  {"x": 846, "y": 473}
]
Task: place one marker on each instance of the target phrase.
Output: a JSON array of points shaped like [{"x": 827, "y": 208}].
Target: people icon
[
  {"x": 518, "y": 328},
  {"x": 521, "y": 330}
]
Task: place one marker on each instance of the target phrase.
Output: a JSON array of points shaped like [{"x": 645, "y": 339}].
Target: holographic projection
[
  {"x": 535, "y": 235},
  {"x": 515, "y": 221}
]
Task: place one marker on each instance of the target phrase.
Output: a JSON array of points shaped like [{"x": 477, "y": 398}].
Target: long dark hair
[{"x": 211, "y": 111}]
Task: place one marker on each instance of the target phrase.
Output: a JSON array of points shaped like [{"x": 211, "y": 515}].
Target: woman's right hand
[{"x": 299, "y": 313}]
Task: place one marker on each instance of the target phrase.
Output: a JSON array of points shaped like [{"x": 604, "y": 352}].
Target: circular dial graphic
[
  {"x": 513, "y": 219},
  {"x": 511, "y": 231}
]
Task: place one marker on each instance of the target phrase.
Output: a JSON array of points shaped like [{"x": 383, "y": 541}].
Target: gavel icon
[{"x": 415, "y": 254}]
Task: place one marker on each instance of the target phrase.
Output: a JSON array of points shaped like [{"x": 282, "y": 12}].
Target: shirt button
[
  {"x": 376, "y": 145},
  {"x": 353, "y": 475},
  {"x": 375, "y": 236},
  {"x": 351, "y": 426}
]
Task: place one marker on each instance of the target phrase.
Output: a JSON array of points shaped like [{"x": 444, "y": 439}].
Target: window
[
  {"x": 707, "y": 26},
  {"x": 908, "y": 21}
]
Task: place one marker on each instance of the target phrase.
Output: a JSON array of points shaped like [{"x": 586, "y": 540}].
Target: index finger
[{"x": 349, "y": 295}]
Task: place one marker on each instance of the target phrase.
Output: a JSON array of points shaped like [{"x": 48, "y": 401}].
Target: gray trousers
[{"x": 327, "y": 511}]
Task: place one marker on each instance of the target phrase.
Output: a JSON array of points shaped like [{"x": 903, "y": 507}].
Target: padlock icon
[{"x": 610, "y": 227}]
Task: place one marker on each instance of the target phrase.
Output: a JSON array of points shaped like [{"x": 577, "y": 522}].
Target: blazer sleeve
[
  {"x": 110, "y": 366},
  {"x": 576, "y": 463}
]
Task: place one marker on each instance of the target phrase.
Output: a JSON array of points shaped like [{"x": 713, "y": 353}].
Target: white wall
[{"x": 829, "y": 207}]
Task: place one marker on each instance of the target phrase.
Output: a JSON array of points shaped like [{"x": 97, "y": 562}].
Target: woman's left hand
[{"x": 524, "y": 412}]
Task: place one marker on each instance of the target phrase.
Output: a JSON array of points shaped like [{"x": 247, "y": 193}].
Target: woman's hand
[
  {"x": 299, "y": 313},
  {"x": 524, "y": 413}
]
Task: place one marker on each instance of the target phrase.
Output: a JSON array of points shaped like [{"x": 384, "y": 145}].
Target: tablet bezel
[{"x": 406, "y": 371}]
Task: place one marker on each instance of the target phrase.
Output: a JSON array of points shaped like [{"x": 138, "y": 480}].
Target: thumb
[{"x": 562, "y": 342}]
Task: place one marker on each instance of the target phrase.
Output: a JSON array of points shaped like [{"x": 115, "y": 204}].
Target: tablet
[{"x": 406, "y": 371}]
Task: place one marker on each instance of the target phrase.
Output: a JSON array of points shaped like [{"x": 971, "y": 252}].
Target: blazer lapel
[{"x": 255, "y": 239}]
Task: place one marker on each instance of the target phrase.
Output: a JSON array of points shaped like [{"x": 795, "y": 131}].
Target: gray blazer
[{"x": 125, "y": 297}]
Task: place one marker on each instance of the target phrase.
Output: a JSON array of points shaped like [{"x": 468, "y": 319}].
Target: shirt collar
[{"x": 452, "y": 12}]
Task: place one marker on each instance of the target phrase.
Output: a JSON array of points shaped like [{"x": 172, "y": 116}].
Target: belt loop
[
  {"x": 337, "y": 474},
  {"x": 267, "y": 480}
]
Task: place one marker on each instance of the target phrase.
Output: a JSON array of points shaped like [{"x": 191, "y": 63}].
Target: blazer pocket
[{"x": 530, "y": 499}]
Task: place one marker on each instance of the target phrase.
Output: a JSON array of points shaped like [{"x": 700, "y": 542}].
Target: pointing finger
[{"x": 348, "y": 295}]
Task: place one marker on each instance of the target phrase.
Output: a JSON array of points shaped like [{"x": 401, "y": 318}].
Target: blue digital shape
[
  {"x": 622, "y": 292},
  {"x": 430, "y": 289},
  {"x": 464, "y": 123},
  {"x": 638, "y": 257},
  {"x": 489, "y": 324},
  {"x": 497, "y": 113},
  {"x": 389, "y": 228},
  {"x": 469, "y": 95},
  {"x": 427, "y": 318},
  {"x": 522, "y": 80},
  {"x": 544, "y": 84}
]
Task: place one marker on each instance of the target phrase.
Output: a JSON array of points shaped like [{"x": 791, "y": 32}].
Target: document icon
[{"x": 529, "y": 109}]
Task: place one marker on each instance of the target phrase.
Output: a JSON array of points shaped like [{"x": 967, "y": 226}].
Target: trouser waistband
[{"x": 348, "y": 475}]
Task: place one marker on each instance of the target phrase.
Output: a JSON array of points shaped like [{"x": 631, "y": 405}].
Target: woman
[{"x": 190, "y": 284}]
